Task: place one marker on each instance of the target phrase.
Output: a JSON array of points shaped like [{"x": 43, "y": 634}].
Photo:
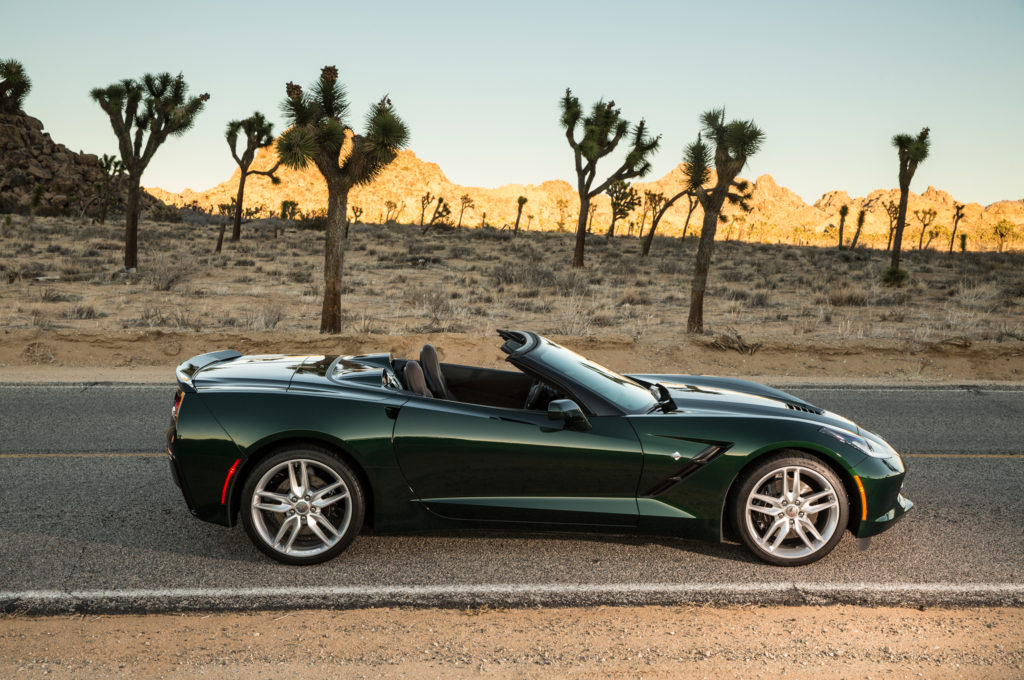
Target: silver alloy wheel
[
  {"x": 301, "y": 507},
  {"x": 792, "y": 512}
]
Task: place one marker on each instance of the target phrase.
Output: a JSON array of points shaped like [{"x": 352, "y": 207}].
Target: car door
[{"x": 468, "y": 461}]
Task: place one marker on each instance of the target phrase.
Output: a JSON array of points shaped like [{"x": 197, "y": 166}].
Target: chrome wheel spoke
[
  {"x": 799, "y": 527},
  {"x": 330, "y": 500},
  {"x": 783, "y": 532},
  {"x": 762, "y": 509},
  {"x": 814, "y": 509},
  {"x": 817, "y": 496},
  {"x": 809, "y": 527},
  {"x": 326, "y": 490},
  {"x": 304, "y": 477},
  {"x": 325, "y": 523},
  {"x": 284, "y": 529},
  {"x": 296, "y": 528},
  {"x": 311, "y": 522},
  {"x": 280, "y": 507},
  {"x": 296, "y": 489},
  {"x": 772, "y": 502}
]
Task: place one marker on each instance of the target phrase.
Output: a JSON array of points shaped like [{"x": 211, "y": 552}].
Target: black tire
[
  {"x": 790, "y": 509},
  {"x": 331, "y": 500}
]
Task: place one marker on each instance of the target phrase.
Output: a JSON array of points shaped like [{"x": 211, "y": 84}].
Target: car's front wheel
[
  {"x": 790, "y": 509},
  {"x": 302, "y": 505}
]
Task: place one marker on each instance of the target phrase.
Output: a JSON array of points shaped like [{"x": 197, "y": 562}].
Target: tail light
[{"x": 178, "y": 396}]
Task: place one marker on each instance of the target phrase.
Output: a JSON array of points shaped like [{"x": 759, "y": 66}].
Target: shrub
[{"x": 894, "y": 276}]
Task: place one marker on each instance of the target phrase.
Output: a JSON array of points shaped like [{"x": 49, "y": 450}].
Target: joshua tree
[
  {"x": 735, "y": 142},
  {"x": 843, "y": 212},
  {"x": 259, "y": 134},
  {"x": 860, "y": 225},
  {"x": 925, "y": 217},
  {"x": 288, "y": 210},
  {"x": 441, "y": 213},
  {"x": 106, "y": 195},
  {"x": 958, "y": 214},
  {"x": 892, "y": 211},
  {"x": 390, "y": 206},
  {"x": 912, "y": 151},
  {"x": 652, "y": 201},
  {"x": 938, "y": 231},
  {"x": 520, "y": 202},
  {"x": 143, "y": 114},
  {"x": 602, "y": 129},
  {"x": 1003, "y": 230},
  {"x": 483, "y": 219},
  {"x": 624, "y": 200},
  {"x": 425, "y": 200},
  {"x": 464, "y": 202},
  {"x": 14, "y": 85},
  {"x": 357, "y": 212},
  {"x": 321, "y": 135},
  {"x": 562, "y": 206}
]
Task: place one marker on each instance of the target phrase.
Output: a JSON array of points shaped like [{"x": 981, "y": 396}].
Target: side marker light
[{"x": 231, "y": 472}]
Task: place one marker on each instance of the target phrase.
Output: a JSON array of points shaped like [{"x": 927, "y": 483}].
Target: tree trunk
[
  {"x": 131, "y": 228},
  {"x": 842, "y": 223},
  {"x": 581, "y": 232},
  {"x": 901, "y": 221},
  {"x": 519, "y": 214},
  {"x": 236, "y": 230},
  {"x": 650, "y": 235},
  {"x": 856, "y": 235},
  {"x": 695, "y": 322},
  {"x": 953, "y": 236},
  {"x": 461, "y": 210},
  {"x": 920, "y": 240},
  {"x": 611, "y": 227},
  {"x": 334, "y": 255},
  {"x": 220, "y": 238}
]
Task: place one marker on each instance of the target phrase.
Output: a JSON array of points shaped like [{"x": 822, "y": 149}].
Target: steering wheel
[{"x": 535, "y": 394}]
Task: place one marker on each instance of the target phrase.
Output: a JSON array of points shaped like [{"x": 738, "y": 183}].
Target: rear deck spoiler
[{"x": 188, "y": 368}]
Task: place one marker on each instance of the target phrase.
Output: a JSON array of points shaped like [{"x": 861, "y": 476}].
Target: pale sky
[{"x": 479, "y": 82}]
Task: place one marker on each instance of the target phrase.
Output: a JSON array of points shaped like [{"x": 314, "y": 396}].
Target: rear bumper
[{"x": 172, "y": 461}]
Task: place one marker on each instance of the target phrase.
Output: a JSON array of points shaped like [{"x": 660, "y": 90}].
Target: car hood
[{"x": 698, "y": 393}]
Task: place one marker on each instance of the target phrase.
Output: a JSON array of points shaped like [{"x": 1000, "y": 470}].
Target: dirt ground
[
  {"x": 68, "y": 312},
  {"x": 603, "y": 642}
]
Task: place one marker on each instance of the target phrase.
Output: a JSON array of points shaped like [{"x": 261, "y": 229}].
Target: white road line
[{"x": 512, "y": 589}]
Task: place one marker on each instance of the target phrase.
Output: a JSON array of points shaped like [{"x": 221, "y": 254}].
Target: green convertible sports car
[{"x": 310, "y": 450}]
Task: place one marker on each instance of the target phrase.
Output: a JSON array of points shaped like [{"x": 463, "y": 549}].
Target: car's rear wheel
[
  {"x": 302, "y": 505},
  {"x": 790, "y": 509}
]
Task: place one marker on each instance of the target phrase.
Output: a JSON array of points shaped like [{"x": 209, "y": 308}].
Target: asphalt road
[{"x": 86, "y": 528}]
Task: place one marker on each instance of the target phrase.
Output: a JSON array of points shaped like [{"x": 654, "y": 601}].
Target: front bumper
[{"x": 873, "y": 527}]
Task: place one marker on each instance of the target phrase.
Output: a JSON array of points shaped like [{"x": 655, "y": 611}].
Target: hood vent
[{"x": 804, "y": 409}]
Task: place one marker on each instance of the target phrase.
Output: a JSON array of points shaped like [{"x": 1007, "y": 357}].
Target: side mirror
[{"x": 570, "y": 413}]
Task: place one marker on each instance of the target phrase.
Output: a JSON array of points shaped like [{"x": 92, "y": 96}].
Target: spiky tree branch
[
  {"x": 624, "y": 199},
  {"x": 14, "y": 85}
]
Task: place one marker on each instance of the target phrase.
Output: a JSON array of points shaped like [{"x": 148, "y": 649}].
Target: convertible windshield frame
[{"x": 600, "y": 390}]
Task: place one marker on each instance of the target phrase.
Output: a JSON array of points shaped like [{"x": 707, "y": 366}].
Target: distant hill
[{"x": 777, "y": 213}]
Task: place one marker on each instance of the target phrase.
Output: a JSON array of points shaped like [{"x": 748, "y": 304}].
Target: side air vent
[{"x": 804, "y": 409}]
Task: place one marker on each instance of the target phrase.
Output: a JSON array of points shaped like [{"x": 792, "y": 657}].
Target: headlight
[{"x": 857, "y": 442}]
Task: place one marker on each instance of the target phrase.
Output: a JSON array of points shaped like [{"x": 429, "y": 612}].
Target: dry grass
[{"x": 62, "y": 274}]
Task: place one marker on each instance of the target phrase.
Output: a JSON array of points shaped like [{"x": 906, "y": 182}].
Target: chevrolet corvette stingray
[{"x": 310, "y": 451}]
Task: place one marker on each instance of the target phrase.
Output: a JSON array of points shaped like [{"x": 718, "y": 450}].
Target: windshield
[{"x": 629, "y": 395}]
